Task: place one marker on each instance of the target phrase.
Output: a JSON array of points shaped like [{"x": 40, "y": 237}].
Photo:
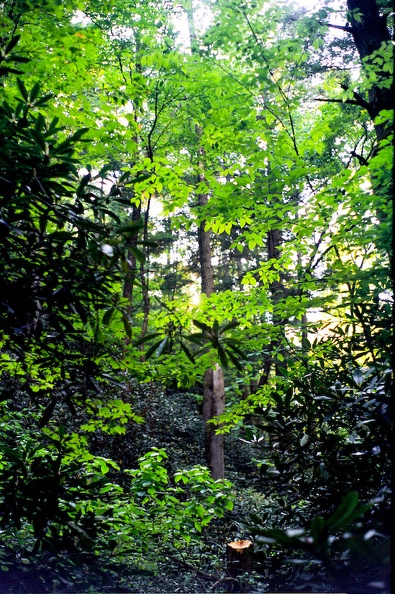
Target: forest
[{"x": 196, "y": 296}]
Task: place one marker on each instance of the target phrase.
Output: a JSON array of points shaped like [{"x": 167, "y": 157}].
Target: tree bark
[
  {"x": 144, "y": 277},
  {"x": 204, "y": 239},
  {"x": 239, "y": 559},
  {"x": 132, "y": 266},
  {"x": 369, "y": 33},
  {"x": 214, "y": 405},
  {"x": 136, "y": 215},
  {"x": 274, "y": 240},
  {"x": 213, "y": 384}
]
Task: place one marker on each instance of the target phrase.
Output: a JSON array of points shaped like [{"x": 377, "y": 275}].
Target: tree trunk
[
  {"x": 213, "y": 384},
  {"x": 204, "y": 239},
  {"x": 131, "y": 274},
  {"x": 369, "y": 34},
  {"x": 239, "y": 559},
  {"x": 274, "y": 240},
  {"x": 132, "y": 266},
  {"x": 214, "y": 405},
  {"x": 213, "y": 390},
  {"x": 144, "y": 276}
]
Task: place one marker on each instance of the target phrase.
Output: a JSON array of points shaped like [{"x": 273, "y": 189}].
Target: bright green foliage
[
  {"x": 62, "y": 257},
  {"x": 50, "y": 485},
  {"x": 178, "y": 513},
  {"x": 54, "y": 487},
  {"x": 99, "y": 123}
]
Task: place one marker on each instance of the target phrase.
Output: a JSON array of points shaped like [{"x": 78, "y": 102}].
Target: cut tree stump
[{"x": 239, "y": 558}]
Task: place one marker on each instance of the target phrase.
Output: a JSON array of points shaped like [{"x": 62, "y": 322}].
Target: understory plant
[{"x": 62, "y": 497}]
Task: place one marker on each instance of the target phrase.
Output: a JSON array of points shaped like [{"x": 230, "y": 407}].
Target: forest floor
[{"x": 172, "y": 422}]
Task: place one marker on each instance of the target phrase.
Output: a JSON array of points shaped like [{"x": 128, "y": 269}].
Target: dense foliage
[{"x": 211, "y": 214}]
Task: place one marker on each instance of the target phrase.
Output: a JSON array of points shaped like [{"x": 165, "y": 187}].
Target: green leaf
[
  {"x": 6, "y": 70},
  {"x": 319, "y": 529},
  {"x": 202, "y": 326},
  {"x": 22, "y": 89},
  {"x": 146, "y": 338},
  {"x": 222, "y": 356},
  {"x": 197, "y": 338},
  {"x": 39, "y": 138},
  {"x": 43, "y": 100},
  {"x": 230, "y": 326},
  {"x": 127, "y": 325},
  {"x": 78, "y": 135},
  {"x": 130, "y": 229},
  {"x": 47, "y": 414},
  {"x": 34, "y": 92},
  {"x": 107, "y": 316},
  {"x": 234, "y": 360},
  {"x": 153, "y": 349},
  {"x": 138, "y": 254},
  {"x": 239, "y": 352},
  {"x": 229, "y": 504},
  {"x": 162, "y": 346},
  {"x": 187, "y": 352},
  {"x": 134, "y": 180},
  {"x": 347, "y": 512},
  {"x": 11, "y": 44}
]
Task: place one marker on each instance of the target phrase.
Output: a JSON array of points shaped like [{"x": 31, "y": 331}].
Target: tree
[
  {"x": 368, "y": 27},
  {"x": 214, "y": 389},
  {"x": 52, "y": 307},
  {"x": 62, "y": 276}
]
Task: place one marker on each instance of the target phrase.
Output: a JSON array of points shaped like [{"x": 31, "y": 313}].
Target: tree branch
[
  {"x": 358, "y": 100},
  {"x": 340, "y": 27},
  {"x": 361, "y": 158},
  {"x": 349, "y": 101}
]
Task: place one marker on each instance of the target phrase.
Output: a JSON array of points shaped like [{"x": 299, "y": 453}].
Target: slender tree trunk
[
  {"x": 274, "y": 239},
  {"x": 204, "y": 239},
  {"x": 132, "y": 242},
  {"x": 213, "y": 384},
  {"x": 303, "y": 321},
  {"x": 214, "y": 405},
  {"x": 132, "y": 266},
  {"x": 273, "y": 242},
  {"x": 144, "y": 277}
]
